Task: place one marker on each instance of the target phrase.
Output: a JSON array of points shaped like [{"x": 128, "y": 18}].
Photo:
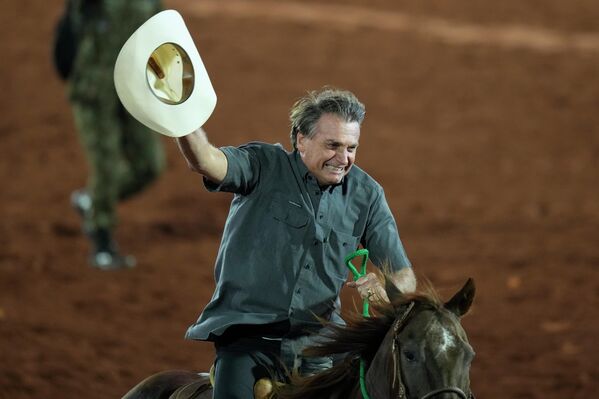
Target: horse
[{"x": 411, "y": 348}]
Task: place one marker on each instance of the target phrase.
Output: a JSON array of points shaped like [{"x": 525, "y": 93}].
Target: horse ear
[
  {"x": 394, "y": 294},
  {"x": 461, "y": 301}
]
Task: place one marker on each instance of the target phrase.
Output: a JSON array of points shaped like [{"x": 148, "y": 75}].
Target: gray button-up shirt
[{"x": 285, "y": 240}]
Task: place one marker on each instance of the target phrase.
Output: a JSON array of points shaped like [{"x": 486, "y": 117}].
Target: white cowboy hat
[{"x": 160, "y": 78}]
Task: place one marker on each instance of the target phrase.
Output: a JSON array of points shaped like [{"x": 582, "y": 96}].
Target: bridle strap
[
  {"x": 455, "y": 390},
  {"x": 397, "y": 325}
]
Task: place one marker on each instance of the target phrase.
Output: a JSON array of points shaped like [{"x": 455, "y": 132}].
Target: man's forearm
[
  {"x": 404, "y": 280},
  {"x": 203, "y": 157}
]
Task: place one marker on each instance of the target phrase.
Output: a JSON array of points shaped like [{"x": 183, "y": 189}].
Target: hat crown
[{"x": 170, "y": 74}]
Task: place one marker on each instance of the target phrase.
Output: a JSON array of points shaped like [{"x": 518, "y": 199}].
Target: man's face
[{"x": 331, "y": 152}]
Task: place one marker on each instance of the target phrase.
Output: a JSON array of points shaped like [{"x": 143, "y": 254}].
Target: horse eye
[{"x": 410, "y": 356}]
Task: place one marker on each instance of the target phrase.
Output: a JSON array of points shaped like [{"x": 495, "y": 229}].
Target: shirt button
[
  {"x": 298, "y": 291},
  {"x": 320, "y": 216},
  {"x": 307, "y": 266}
]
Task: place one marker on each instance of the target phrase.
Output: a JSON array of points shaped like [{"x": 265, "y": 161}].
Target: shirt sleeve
[
  {"x": 381, "y": 236},
  {"x": 243, "y": 171}
]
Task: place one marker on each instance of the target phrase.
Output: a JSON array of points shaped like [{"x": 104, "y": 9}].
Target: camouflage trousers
[{"x": 124, "y": 157}]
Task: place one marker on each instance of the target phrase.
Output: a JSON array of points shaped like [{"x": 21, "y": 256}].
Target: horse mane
[{"x": 359, "y": 338}]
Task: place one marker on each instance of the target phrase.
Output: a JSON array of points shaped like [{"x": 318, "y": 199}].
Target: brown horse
[{"x": 413, "y": 348}]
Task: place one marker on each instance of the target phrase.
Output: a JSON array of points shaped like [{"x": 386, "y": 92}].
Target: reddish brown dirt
[{"x": 488, "y": 153}]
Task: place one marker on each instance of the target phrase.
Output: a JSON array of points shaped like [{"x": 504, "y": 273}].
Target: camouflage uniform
[{"x": 124, "y": 156}]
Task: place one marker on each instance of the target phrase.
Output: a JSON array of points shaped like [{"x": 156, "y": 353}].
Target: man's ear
[{"x": 299, "y": 141}]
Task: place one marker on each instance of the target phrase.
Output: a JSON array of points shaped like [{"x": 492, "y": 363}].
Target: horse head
[{"x": 426, "y": 353}]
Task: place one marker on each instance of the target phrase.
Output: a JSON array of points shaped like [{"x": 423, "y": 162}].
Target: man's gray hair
[{"x": 307, "y": 110}]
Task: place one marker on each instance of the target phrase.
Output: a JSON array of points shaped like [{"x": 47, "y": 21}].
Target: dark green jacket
[{"x": 103, "y": 27}]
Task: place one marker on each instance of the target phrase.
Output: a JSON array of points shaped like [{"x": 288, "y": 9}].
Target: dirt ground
[{"x": 482, "y": 126}]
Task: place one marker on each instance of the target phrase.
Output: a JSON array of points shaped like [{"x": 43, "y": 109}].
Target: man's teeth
[{"x": 335, "y": 168}]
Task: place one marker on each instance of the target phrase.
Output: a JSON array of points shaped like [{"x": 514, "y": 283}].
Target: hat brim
[{"x": 133, "y": 89}]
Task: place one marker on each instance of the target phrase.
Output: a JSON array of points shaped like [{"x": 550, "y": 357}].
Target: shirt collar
[{"x": 301, "y": 166}]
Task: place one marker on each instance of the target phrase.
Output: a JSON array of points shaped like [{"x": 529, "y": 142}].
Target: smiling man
[
  {"x": 330, "y": 150},
  {"x": 293, "y": 219}
]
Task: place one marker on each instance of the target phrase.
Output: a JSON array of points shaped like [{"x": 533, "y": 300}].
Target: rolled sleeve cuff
[{"x": 228, "y": 184}]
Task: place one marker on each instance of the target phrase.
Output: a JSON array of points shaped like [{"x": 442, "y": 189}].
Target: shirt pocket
[
  {"x": 288, "y": 211},
  {"x": 342, "y": 244}
]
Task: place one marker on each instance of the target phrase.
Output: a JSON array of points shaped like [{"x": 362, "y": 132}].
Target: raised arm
[{"x": 203, "y": 157}]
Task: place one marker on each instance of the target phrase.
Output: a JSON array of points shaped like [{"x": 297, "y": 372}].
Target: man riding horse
[{"x": 294, "y": 216}]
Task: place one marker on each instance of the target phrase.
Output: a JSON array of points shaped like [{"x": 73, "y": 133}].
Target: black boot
[{"x": 105, "y": 254}]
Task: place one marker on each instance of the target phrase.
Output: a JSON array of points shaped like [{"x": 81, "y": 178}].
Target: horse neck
[{"x": 379, "y": 377}]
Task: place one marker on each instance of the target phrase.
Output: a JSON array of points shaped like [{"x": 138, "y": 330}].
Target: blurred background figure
[{"x": 123, "y": 158}]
